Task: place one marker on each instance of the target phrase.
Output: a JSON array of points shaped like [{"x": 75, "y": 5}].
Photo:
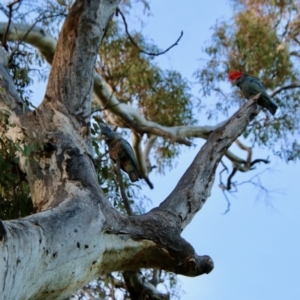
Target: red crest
[{"x": 234, "y": 75}]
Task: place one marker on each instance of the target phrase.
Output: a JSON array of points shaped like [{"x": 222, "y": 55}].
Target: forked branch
[
  {"x": 137, "y": 46},
  {"x": 244, "y": 167}
]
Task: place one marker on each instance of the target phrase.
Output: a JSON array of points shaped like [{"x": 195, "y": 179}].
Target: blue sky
[{"x": 255, "y": 246}]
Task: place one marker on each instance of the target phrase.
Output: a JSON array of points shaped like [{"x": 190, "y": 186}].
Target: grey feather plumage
[
  {"x": 120, "y": 149},
  {"x": 252, "y": 86}
]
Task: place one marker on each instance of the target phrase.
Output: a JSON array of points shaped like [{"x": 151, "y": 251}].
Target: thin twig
[
  {"x": 249, "y": 150},
  {"x": 2, "y": 8},
  {"x": 221, "y": 185},
  {"x": 138, "y": 47},
  {"x": 39, "y": 19},
  {"x": 290, "y": 86},
  {"x": 228, "y": 203},
  {"x": 259, "y": 160},
  {"x": 122, "y": 189},
  {"x": 86, "y": 291},
  {"x": 236, "y": 168},
  {"x": 224, "y": 166},
  {"x": 148, "y": 146},
  {"x": 22, "y": 39},
  {"x": 230, "y": 178},
  {"x": 10, "y": 8}
]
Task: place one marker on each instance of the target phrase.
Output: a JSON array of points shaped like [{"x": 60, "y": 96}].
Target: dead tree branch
[
  {"x": 10, "y": 13},
  {"x": 246, "y": 166},
  {"x": 140, "y": 289},
  {"x": 290, "y": 86},
  {"x": 138, "y": 47},
  {"x": 126, "y": 202}
]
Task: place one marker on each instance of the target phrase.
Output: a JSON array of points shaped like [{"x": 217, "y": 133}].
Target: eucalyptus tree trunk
[{"x": 75, "y": 234}]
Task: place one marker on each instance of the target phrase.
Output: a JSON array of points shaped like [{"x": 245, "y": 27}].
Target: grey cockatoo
[
  {"x": 120, "y": 149},
  {"x": 252, "y": 86}
]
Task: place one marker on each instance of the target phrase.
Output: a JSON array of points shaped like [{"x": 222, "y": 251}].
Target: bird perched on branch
[
  {"x": 252, "y": 86},
  {"x": 121, "y": 151}
]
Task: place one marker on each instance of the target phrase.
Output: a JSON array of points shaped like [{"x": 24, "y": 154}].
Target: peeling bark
[{"x": 76, "y": 234}]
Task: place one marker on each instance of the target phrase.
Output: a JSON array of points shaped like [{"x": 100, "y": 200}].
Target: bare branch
[
  {"x": 247, "y": 166},
  {"x": 230, "y": 178},
  {"x": 249, "y": 150},
  {"x": 155, "y": 280},
  {"x": 13, "y": 52},
  {"x": 140, "y": 289},
  {"x": 10, "y": 9},
  {"x": 122, "y": 189},
  {"x": 259, "y": 160},
  {"x": 221, "y": 185},
  {"x": 4, "y": 10},
  {"x": 37, "y": 37},
  {"x": 234, "y": 158},
  {"x": 149, "y": 145},
  {"x": 138, "y": 47},
  {"x": 290, "y": 86},
  {"x": 116, "y": 282},
  {"x": 255, "y": 181},
  {"x": 143, "y": 170},
  {"x": 228, "y": 203}
]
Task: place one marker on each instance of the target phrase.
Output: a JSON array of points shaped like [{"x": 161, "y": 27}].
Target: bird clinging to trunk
[
  {"x": 121, "y": 151},
  {"x": 252, "y": 86}
]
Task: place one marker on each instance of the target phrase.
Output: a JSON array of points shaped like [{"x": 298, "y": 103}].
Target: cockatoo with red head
[{"x": 252, "y": 86}]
